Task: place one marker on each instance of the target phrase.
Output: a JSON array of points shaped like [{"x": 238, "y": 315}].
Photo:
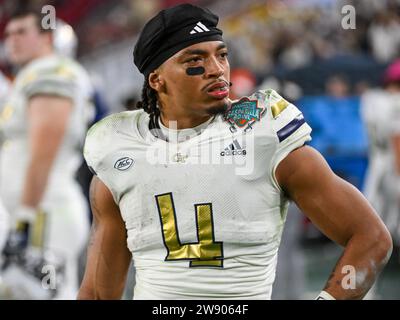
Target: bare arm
[
  {"x": 108, "y": 257},
  {"x": 48, "y": 118},
  {"x": 342, "y": 213}
]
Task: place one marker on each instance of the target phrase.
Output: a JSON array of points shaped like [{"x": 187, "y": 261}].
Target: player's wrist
[{"x": 325, "y": 296}]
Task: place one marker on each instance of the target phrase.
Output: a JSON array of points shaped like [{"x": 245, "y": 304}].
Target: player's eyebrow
[
  {"x": 221, "y": 46},
  {"x": 8, "y": 32},
  {"x": 201, "y": 52}
]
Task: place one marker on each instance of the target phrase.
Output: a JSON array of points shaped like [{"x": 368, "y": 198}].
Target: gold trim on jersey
[
  {"x": 38, "y": 230},
  {"x": 65, "y": 72},
  {"x": 29, "y": 77},
  {"x": 278, "y": 107},
  {"x": 206, "y": 252}
]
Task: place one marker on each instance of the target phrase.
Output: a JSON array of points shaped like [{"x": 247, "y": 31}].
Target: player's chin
[
  {"x": 218, "y": 107},
  {"x": 17, "y": 59},
  {"x": 13, "y": 58}
]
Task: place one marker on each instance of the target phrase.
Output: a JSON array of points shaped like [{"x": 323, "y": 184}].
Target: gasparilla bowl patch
[{"x": 244, "y": 112}]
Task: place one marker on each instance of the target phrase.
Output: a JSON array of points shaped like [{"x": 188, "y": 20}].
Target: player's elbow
[
  {"x": 382, "y": 244},
  {"x": 386, "y": 245}
]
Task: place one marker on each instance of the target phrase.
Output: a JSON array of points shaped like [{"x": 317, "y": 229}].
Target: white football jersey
[
  {"x": 4, "y": 89},
  {"x": 204, "y": 216},
  {"x": 4, "y": 92},
  {"x": 52, "y": 75}
]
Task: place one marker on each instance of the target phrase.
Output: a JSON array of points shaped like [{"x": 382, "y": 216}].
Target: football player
[
  {"x": 44, "y": 124},
  {"x": 195, "y": 187},
  {"x": 381, "y": 114}
]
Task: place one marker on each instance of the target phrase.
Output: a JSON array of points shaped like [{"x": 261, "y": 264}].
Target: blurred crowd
[{"x": 294, "y": 34}]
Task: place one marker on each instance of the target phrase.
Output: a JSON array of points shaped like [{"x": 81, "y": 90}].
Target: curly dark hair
[{"x": 149, "y": 101}]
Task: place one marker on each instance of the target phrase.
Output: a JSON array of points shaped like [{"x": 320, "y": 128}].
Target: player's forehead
[
  {"x": 24, "y": 22},
  {"x": 208, "y": 47}
]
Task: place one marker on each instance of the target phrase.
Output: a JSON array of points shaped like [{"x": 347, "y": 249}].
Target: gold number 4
[{"x": 206, "y": 252}]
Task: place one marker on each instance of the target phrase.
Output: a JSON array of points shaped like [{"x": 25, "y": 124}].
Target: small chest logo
[
  {"x": 244, "y": 112},
  {"x": 234, "y": 149},
  {"x": 123, "y": 164}
]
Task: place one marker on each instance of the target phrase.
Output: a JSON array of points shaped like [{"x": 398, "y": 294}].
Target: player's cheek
[
  {"x": 227, "y": 70},
  {"x": 192, "y": 84}
]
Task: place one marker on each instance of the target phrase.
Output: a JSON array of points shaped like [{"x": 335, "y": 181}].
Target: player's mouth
[{"x": 219, "y": 90}]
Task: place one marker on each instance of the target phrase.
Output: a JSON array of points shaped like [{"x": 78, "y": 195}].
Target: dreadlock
[{"x": 149, "y": 101}]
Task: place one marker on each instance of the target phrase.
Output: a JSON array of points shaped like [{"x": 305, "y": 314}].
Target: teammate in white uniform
[
  {"x": 381, "y": 115},
  {"x": 200, "y": 208},
  {"x": 44, "y": 123}
]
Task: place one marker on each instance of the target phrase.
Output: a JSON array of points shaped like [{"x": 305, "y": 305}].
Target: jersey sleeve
[
  {"x": 289, "y": 128},
  {"x": 59, "y": 79},
  {"x": 97, "y": 150}
]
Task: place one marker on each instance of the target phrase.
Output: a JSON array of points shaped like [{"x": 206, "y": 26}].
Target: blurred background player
[
  {"x": 65, "y": 44},
  {"x": 48, "y": 112},
  {"x": 381, "y": 114},
  {"x": 380, "y": 109}
]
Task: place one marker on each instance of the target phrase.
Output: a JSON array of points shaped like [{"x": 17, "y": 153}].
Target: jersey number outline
[{"x": 206, "y": 252}]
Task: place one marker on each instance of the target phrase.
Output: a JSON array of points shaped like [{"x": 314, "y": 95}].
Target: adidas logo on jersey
[
  {"x": 199, "y": 28},
  {"x": 234, "y": 149}
]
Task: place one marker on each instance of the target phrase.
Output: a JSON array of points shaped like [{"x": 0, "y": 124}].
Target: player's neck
[
  {"x": 45, "y": 52},
  {"x": 172, "y": 134},
  {"x": 183, "y": 122}
]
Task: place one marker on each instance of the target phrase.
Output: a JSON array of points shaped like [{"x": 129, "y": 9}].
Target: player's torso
[
  {"x": 14, "y": 121},
  {"x": 201, "y": 206},
  {"x": 220, "y": 170},
  {"x": 204, "y": 216}
]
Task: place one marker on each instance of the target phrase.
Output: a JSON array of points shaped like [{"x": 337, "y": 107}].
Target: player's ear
[{"x": 156, "y": 80}]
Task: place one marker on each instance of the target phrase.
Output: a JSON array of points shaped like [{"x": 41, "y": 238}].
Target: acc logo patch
[
  {"x": 123, "y": 164},
  {"x": 244, "y": 112}
]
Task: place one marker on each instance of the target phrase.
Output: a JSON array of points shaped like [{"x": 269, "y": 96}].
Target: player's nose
[{"x": 214, "y": 68}]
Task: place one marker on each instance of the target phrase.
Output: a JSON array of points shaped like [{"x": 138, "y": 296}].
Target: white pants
[
  {"x": 4, "y": 225},
  {"x": 381, "y": 191},
  {"x": 67, "y": 234}
]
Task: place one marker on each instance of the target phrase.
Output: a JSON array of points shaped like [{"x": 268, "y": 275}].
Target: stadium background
[{"x": 297, "y": 47}]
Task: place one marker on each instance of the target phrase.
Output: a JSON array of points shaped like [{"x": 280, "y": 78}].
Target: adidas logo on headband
[{"x": 199, "y": 28}]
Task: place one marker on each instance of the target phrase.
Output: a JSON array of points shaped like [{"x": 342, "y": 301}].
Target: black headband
[{"x": 172, "y": 30}]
